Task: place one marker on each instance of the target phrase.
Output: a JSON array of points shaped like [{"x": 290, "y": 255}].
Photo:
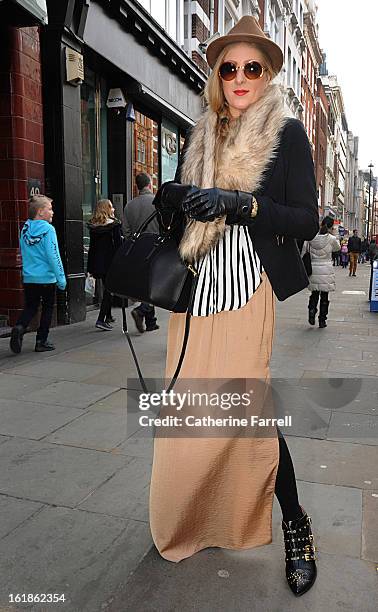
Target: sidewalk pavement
[{"x": 74, "y": 478}]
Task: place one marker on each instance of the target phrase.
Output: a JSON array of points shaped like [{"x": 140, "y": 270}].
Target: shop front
[{"x": 94, "y": 150}]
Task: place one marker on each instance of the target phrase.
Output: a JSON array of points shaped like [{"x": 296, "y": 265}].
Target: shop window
[
  {"x": 169, "y": 150},
  {"x": 94, "y": 149}
]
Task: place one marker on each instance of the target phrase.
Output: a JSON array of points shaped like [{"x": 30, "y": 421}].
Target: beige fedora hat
[{"x": 246, "y": 30}]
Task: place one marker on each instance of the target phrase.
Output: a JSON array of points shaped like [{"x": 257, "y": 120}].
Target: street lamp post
[{"x": 370, "y": 166}]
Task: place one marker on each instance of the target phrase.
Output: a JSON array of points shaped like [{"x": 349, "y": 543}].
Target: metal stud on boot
[{"x": 300, "y": 555}]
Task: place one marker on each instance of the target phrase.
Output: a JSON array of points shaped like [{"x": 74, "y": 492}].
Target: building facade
[
  {"x": 321, "y": 144},
  {"x": 311, "y": 60},
  {"x": 80, "y": 146},
  {"x": 351, "y": 214}
]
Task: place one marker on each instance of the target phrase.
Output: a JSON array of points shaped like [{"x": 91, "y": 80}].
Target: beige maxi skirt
[{"x": 217, "y": 491}]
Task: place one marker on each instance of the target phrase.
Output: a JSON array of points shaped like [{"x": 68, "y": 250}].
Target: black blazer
[
  {"x": 288, "y": 210},
  {"x": 104, "y": 242}
]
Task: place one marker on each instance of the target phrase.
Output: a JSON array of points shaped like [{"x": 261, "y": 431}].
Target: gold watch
[{"x": 255, "y": 207}]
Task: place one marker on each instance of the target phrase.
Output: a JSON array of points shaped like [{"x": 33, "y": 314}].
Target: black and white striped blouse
[{"x": 228, "y": 275}]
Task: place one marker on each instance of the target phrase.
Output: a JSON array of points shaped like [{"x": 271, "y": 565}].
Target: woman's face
[{"x": 241, "y": 92}]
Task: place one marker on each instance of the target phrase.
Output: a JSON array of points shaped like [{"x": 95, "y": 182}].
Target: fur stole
[{"x": 237, "y": 161}]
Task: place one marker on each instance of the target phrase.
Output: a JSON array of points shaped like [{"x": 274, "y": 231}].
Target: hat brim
[{"x": 270, "y": 48}]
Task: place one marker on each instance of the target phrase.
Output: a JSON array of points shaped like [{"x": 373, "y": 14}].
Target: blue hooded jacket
[{"x": 41, "y": 262}]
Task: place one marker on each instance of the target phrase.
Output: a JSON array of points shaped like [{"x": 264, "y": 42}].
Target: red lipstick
[{"x": 240, "y": 92}]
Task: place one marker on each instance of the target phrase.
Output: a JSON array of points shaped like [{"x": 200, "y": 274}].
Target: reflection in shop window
[{"x": 146, "y": 156}]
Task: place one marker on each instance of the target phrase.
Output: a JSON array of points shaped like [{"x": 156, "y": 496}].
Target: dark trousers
[
  {"x": 34, "y": 294},
  {"x": 324, "y": 302},
  {"x": 106, "y": 304},
  {"x": 286, "y": 486},
  {"x": 148, "y": 312}
]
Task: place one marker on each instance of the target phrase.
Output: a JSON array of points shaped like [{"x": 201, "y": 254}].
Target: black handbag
[
  {"x": 307, "y": 261},
  {"x": 148, "y": 268}
]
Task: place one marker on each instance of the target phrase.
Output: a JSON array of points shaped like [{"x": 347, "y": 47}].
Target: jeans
[
  {"x": 34, "y": 293},
  {"x": 148, "y": 312}
]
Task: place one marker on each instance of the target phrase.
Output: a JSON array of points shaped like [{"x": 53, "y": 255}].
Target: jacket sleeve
[
  {"x": 335, "y": 245},
  {"x": 53, "y": 257},
  {"x": 298, "y": 216},
  {"x": 127, "y": 231}
]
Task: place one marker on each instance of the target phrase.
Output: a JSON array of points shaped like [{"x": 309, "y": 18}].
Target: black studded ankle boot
[{"x": 300, "y": 554}]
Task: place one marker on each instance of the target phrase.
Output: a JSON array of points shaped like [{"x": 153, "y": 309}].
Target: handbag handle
[{"x": 125, "y": 331}]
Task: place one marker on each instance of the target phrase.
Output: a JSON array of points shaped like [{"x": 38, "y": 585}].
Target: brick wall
[{"x": 21, "y": 153}]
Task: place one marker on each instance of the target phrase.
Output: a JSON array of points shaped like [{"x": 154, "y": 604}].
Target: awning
[{"x": 36, "y": 8}]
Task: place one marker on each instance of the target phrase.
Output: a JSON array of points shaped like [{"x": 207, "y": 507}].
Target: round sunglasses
[{"x": 252, "y": 70}]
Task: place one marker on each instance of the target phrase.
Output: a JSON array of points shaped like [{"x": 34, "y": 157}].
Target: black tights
[{"x": 286, "y": 486}]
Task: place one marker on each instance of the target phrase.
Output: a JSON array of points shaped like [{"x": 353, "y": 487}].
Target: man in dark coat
[
  {"x": 354, "y": 249},
  {"x": 134, "y": 214}
]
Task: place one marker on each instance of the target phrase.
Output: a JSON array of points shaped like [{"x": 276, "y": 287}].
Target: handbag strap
[
  {"x": 143, "y": 226},
  {"x": 184, "y": 342}
]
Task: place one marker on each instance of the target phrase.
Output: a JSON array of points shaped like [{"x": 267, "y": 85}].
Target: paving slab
[
  {"x": 370, "y": 527},
  {"x": 329, "y": 462},
  {"x": 239, "y": 581},
  {"x": 53, "y": 474},
  {"x": 64, "y": 557},
  {"x": 33, "y": 421},
  {"x": 96, "y": 430},
  {"x": 126, "y": 494},
  {"x": 115, "y": 403},
  {"x": 351, "y": 427},
  {"x": 58, "y": 370},
  {"x": 140, "y": 444},
  {"x": 13, "y": 386},
  {"x": 74, "y": 394},
  {"x": 355, "y": 367},
  {"x": 104, "y": 357},
  {"x": 336, "y": 514},
  {"x": 14, "y": 512},
  {"x": 307, "y": 421}
]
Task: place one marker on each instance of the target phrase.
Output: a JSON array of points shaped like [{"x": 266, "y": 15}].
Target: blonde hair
[
  {"x": 102, "y": 213},
  {"x": 213, "y": 93},
  {"x": 36, "y": 202}
]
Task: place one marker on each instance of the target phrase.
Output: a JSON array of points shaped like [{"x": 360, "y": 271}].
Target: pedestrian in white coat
[{"x": 322, "y": 279}]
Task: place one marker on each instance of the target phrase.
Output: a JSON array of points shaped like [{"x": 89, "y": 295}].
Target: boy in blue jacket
[{"x": 42, "y": 270}]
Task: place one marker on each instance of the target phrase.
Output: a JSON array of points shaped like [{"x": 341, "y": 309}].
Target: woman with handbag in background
[
  {"x": 105, "y": 233},
  {"x": 322, "y": 279},
  {"x": 247, "y": 192}
]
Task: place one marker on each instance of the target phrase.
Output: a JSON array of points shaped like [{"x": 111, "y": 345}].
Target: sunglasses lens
[
  {"x": 227, "y": 71},
  {"x": 253, "y": 70}
]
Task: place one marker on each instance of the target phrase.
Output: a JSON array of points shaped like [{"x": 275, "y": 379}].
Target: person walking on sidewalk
[
  {"x": 135, "y": 213},
  {"x": 105, "y": 233},
  {"x": 344, "y": 257},
  {"x": 354, "y": 250},
  {"x": 322, "y": 279},
  {"x": 245, "y": 191},
  {"x": 363, "y": 255},
  {"x": 42, "y": 271}
]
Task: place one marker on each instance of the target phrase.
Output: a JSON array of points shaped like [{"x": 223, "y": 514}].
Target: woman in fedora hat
[{"x": 244, "y": 192}]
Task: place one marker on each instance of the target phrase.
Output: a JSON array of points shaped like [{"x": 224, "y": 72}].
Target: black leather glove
[
  {"x": 208, "y": 204},
  {"x": 170, "y": 196},
  {"x": 168, "y": 201}
]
